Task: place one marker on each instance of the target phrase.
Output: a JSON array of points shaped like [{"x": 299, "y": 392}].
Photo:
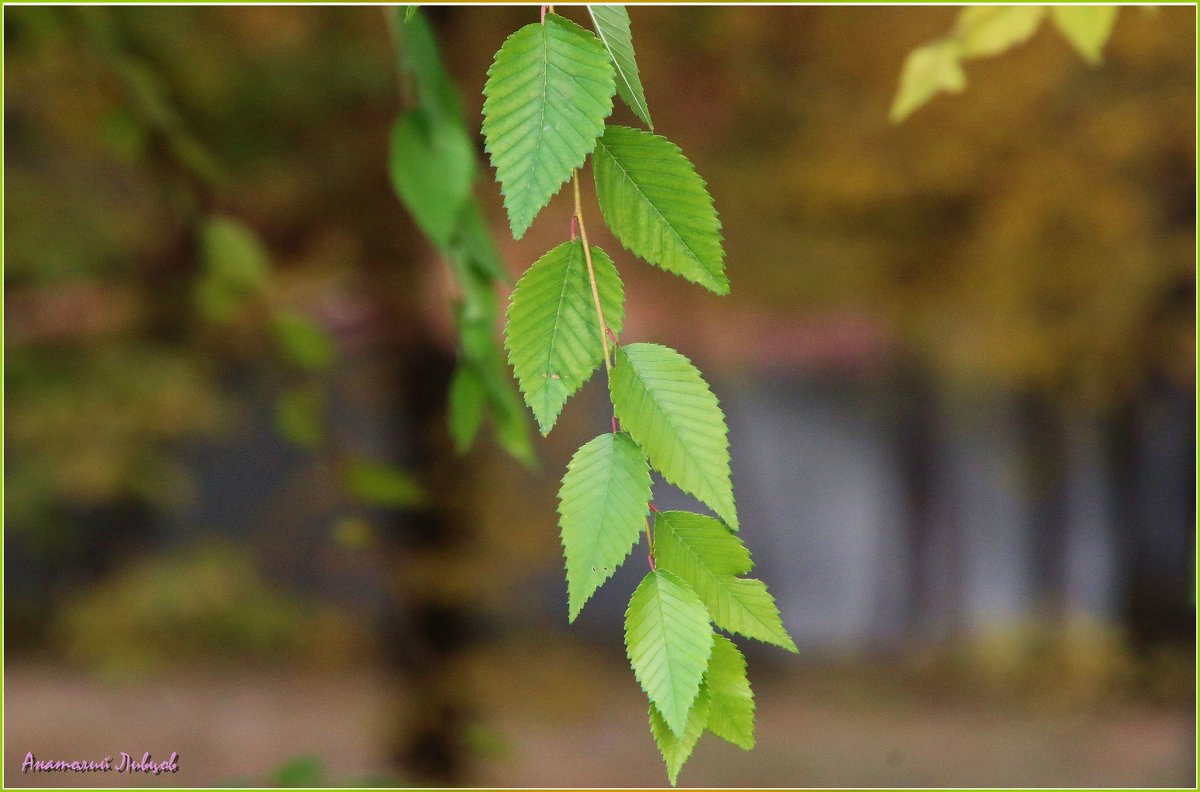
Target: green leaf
[
  {"x": 475, "y": 313},
  {"x": 299, "y": 415},
  {"x": 603, "y": 506},
  {"x": 432, "y": 165},
  {"x": 510, "y": 420},
  {"x": 744, "y": 606},
  {"x": 380, "y": 484},
  {"x": 927, "y": 71},
  {"x": 612, "y": 26},
  {"x": 658, "y": 206},
  {"x": 468, "y": 396},
  {"x": 668, "y": 641},
  {"x": 731, "y": 701},
  {"x": 305, "y": 342},
  {"x": 708, "y": 557},
  {"x": 474, "y": 243},
  {"x": 667, "y": 407},
  {"x": 675, "y": 750},
  {"x": 236, "y": 267},
  {"x": 302, "y": 771},
  {"x": 694, "y": 545},
  {"x": 232, "y": 251},
  {"x": 985, "y": 30},
  {"x": 548, "y": 93},
  {"x": 553, "y": 335},
  {"x": 417, "y": 54},
  {"x": 1087, "y": 27}
]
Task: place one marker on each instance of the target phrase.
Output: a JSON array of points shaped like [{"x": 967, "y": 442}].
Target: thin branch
[
  {"x": 650, "y": 546},
  {"x": 587, "y": 256}
]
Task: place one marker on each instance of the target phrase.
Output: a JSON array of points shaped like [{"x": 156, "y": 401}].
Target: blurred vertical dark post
[
  {"x": 1151, "y": 444},
  {"x": 930, "y": 544},
  {"x": 1154, "y": 470},
  {"x": 428, "y": 629},
  {"x": 1045, "y": 452}
]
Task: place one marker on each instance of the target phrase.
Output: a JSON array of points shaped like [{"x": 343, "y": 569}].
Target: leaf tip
[{"x": 518, "y": 230}]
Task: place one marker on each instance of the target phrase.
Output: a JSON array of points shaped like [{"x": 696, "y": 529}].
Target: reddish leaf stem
[{"x": 650, "y": 544}]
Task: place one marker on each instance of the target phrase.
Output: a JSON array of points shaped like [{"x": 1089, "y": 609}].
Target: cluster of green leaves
[
  {"x": 549, "y": 94},
  {"x": 434, "y": 169},
  {"x": 235, "y": 280},
  {"x": 986, "y": 31}
]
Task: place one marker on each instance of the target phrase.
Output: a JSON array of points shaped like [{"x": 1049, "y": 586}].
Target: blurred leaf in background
[
  {"x": 309, "y": 772},
  {"x": 379, "y": 484},
  {"x": 303, "y": 341},
  {"x": 235, "y": 267},
  {"x": 433, "y": 168},
  {"x": 299, "y": 415}
]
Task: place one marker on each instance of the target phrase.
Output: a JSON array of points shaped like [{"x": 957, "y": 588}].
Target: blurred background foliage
[
  {"x": 229, "y": 353},
  {"x": 206, "y": 601}
]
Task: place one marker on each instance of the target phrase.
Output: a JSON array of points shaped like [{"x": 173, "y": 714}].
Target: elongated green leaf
[
  {"x": 988, "y": 30},
  {"x": 553, "y": 334},
  {"x": 380, "y": 484},
  {"x": 236, "y": 267},
  {"x": 928, "y": 71},
  {"x": 708, "y": 557},
  {"x": 675, "y": 750},
  {"x": 473, "y": 242},
  {"x": 417, "y": 55},
  {"x": 668, "y": 640},
  {"x": 510, "y": 421},
  {"x": 658, "y": 206},
  {"x": 432, "y": 164},
  {"x": 603, "y": 507},
  {"x": 468, "y": 397},
  {"x": 612, "y": 26},
  {"x": 548, "y": 93},
  {"x": 744, "y": 606},
  {"x": 667, "y": 407},
  {"x": 691, "y": 545},
  {"x": 234, "y": 253},
  {"x": 731, "y": 701},
  {"x": 1086, "y": 27},
  {"x": 475, "y": 313}
]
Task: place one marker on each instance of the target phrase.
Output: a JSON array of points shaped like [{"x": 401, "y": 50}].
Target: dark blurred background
[{"x": 958, "y": 364}]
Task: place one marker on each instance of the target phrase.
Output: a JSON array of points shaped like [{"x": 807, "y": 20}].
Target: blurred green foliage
[
  {"x": 92, "y": 427},
  {"x": 987, "y": 31},
  {"x": 201, "y": 605},
  {"x": 299, "y": 415},
  {"x": 309, "y": 772},
  {"x": 1036, "y": 232},
  {"x": 378, "y": 484},
  {"x": 303, "y": 342},
  {"x": 149, "y": 184},
  {"x": 234, "y": 265},
  {"x": 433, "y": 167}
]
